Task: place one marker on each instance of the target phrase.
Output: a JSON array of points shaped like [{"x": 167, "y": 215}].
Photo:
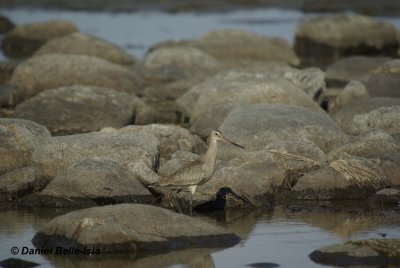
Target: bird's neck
[{"x": 210, "y": 156}]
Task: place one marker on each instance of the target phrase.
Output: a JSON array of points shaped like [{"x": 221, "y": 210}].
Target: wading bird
[{"x": 196, "y": 172}]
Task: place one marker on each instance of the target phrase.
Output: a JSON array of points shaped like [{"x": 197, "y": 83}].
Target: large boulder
[
  {"x": 172, "y": 138},
  {"x": 359, "y": 253},
  {"x": 24, "y": 40},
  {"x": 83, "y": 44},
  {"x": 171, "y": 63},
  {"x": 131, "y": 228},
  {"x": 56, "y": 70},
  {"x": 62, "y": 151},
  {"x": 328, "y": 38},
  {"x": 18, "y": 139},
  {"x": 369, "y": 143},
  {"x": 383, "y": 113},
  {"x": 350, "y": 68},
  {"x": 222, "y": 93},
  {"x": 79, "y": 109},
  {"x": 238, "y": 47},
  {"x": 310, "y": 80},
  {"x": 92, "y": 181},
  {"x": 384, "y": 80},
  {"x": 255, "y": 126}
]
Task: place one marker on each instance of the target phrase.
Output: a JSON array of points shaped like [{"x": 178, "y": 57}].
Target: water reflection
[
  {"x": 195, "y": 258},
  {"x": 268, "y": 236}
]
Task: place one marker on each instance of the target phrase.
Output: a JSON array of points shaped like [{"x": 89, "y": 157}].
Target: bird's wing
[{"x": 190, "y": 174}]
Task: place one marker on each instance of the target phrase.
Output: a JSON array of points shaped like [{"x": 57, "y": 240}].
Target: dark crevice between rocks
[
  {"x": 24, "y": 49},
  {"x": 335, "y": 83},
  {"x": 139, "y": 249}
]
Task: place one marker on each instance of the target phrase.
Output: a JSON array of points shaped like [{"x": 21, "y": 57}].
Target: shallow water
[
  {"x": 136, "y": 32},
  {"x": 278, "y": 236}
]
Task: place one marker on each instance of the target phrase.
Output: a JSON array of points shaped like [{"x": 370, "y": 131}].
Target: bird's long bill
[{"x": 232, "y": 142}]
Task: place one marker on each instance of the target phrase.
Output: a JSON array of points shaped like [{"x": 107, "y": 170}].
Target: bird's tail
[{"x": 162, "y": 183}]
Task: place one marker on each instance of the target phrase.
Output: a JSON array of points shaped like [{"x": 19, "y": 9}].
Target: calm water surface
[
  {"x": 136, "y": 32},
  {"x": 278, "y": 236}
]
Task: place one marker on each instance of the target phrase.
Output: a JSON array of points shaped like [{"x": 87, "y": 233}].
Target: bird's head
[{"x": 216, "y": 135}]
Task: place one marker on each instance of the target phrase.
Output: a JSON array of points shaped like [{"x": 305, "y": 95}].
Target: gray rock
[
  {"x": 62, "y": 151},
  {"x": 34, "y": 128},
  {"x": 255, "y": 126},
  {"x": 24, "y": 40},
  {"x": 367, "y": 144},
  {"x": 371, "y": 252},
  {"x": 351, "y": 68},
  {"x": 83, "y": 44},
  {"x": 92, "y": 181},
  {"x": 327, "y": 38},
  {"x": 6, "y": 71},
  {"x": 345, "y": 179},
  {"x": 14, "y": 262},
  {"x": 383, "y": 113},
  {"x": 354, "y": 91},
  {"x": 131, "y": 228},
  {"x": 238, "y": 47},
  {"x": 221, "y": 94},
  {"x": 19, "y": 183},
  {"x": 172, "y": 138},
  {"x": 386, "y": 196},
  {"x": 79, "y": 109},
  {"x": 18, "y": 139},
  {"x": 144, "y": 173},
  {"x": 323, "y": 184},
  {"x": 310, "y": 80},
  {"x": 166, "y": 64},
  {"x": 57, "y": 70},
  {"x": 161, "y": 97},
  {"x": 368, "y": 7},
  {"x": 10, "y": 95},
  {"x": 384, "y": 80},
  {"x": 390, "y": 167}
]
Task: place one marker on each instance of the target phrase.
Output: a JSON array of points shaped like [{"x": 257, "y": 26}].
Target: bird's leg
[
  {"x": 191, "y": 204},
  {"x": 176, "y": 201},
  {"x": 192, "y": 189}
]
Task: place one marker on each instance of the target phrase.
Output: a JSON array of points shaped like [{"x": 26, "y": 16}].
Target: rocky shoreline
[{"x": 85, "y": 124}]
